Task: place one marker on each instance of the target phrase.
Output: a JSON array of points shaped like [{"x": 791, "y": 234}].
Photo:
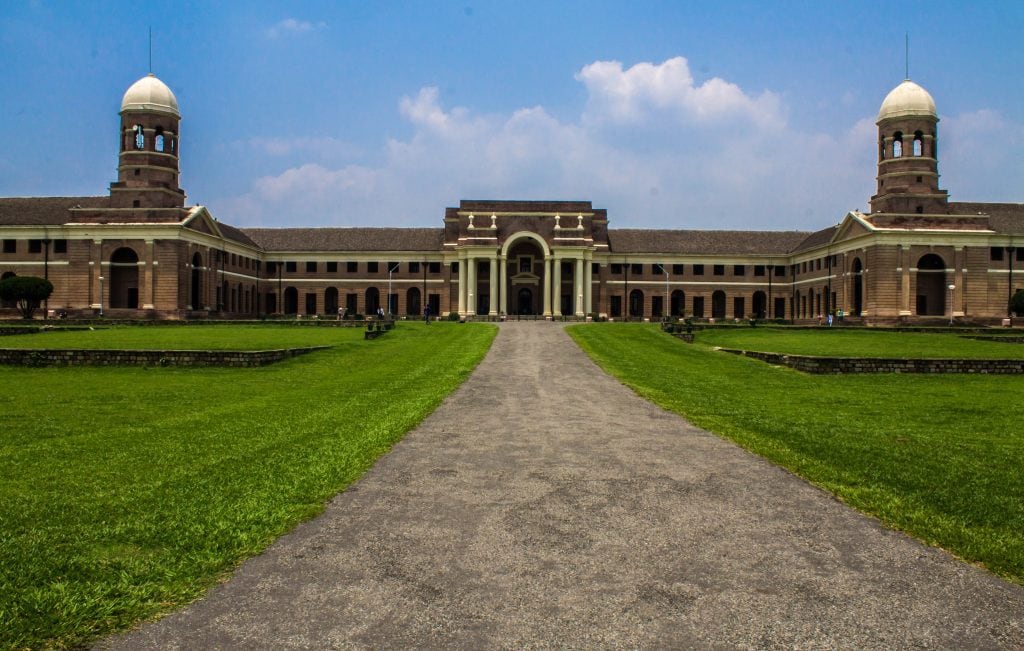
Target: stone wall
[
  {"x": 228, "y": 358},
  {"x": 837, "y": 365}
]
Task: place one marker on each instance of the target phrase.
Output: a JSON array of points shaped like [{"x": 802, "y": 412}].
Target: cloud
[
  {"x": 292, "y": 26},
  {"x": 652, "y": 146},
  {"x": 979, "y": 150}
]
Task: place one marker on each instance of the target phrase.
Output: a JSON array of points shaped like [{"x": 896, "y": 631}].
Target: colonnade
[{"x": 551, "y": 282}]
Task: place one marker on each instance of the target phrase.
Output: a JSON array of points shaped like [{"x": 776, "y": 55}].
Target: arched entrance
[
  {"x": 636, "y": 303},
  {"x": 760, "y": 305},
  {"x": 931, "y": 286},
  {"x": 524, "y": 301},
  {"x": 678, "y": 303},
  {"x": 372, "y": 300},
  {"x": 196, "y": 296},
  {"x": 525, "y": 253},
  {"x": 718, "y": 305},
  {"x": 412, "y": 301},
  {"x": 858, "y": 287},
  {"x": 291, "y": 301},
  {"x": 124, "y": 279}
]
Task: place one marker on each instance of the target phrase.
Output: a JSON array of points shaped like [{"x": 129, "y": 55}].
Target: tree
[
  {"x": 1017, "y": 303},
  {"x": 27, "y": 291}
]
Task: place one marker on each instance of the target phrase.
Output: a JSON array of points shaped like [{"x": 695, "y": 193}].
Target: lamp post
[
  {"x": 101, "y": 296},
  {"x": 391, "y": 270},
  {"x": 951, "y": 288}
]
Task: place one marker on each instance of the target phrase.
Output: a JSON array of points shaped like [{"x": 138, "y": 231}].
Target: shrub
[
  {"x": 27, "y": 291},
  {"x": 453, "y": 316},
  {"x": 1017, "y": 303}
]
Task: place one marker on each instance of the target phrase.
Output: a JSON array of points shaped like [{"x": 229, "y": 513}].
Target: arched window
[
  {"x": 140, "y": 137},
  {"x": 291, "y": 300},
  {"x": 412, "y": 301},
  {"x": 918, "y": 143},
  {"x": 636, "y": 303},
  {"x": 124, "y": 279},
  {"x": 897, "y": 144},
  {"x": 158, "y": 139},
  {"x": 678, "y": 303},
  {"x": 372, "y": 300},
  {"x": 331, "y": 300},
  {"x": 174, "y": 144},
  {"x": 718, "y": 304},
  {"x": 931, "y": 285}
]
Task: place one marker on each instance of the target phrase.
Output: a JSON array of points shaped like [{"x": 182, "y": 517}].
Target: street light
[
  {"x": 101, "y": 295},
  {"x": 951, "y": 288}
]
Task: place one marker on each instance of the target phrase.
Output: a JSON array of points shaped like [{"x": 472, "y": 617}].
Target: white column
[
  {"x": 493, "y": 310},
  {"x": 588, "y": 286},
  {"x": 471, "y": 285},
  {"x": 556, "y": 304},
  {"x": 502, "y": 284},
  {"x": 547, "y": 287},
  {"x": 578, "y": 297},
  {"x": 462, "y": 286}
]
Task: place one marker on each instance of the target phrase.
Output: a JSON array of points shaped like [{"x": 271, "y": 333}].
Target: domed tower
[
  {"x": 147, "y": 171},
  {"x": 908, "y": 166}
]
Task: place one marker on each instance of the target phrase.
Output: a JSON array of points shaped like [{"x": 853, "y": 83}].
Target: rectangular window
[
  {"x": 1020, "y": 254},
  {"x": 311, "y": 267},
  {"x": 758, "y": 269},
  {"x": 332, "y": 267},
  {"x": 616, "y": 269},
  {"x": 567, "y": 269},
  {"x": 616, "y": 305},
  {"x": 310, "y": 303},
  {"x": 435, "y": 268},
  {"x": 455, "y": 267},
  {"x": 636, "y": 269},
  {"x": 371, "y": 267},
  {"x": 291, "y": 267},
  {"x": 352, "y": 267},
  {"x": 35, "y": 246},
  {"x": 392, "y": 267},
  {"x": 719, "y": 270},
  {"x": 698, "y": 270},
  {"x": 698, "y": 307},
  {"x": 819, "y": 264},
  {"x": 739, "y": 270},
  {"x": 738, "y": 307},
  {"x": 271, "y": 269},
  {"x": 10, "y": 246},
  {"x": 678, "y": 269},
  {"x": 656, "y": 269},
  {"x": 351, "y": 303},
  {"x": 60, "y": 246},
  {"x": 803, "y": 268},
  {"x": 780, "y": 271},
  {"x": 414, "y": 267},
  {"x": 995, "y": 254},
  {"x": 595, "y": 269}
]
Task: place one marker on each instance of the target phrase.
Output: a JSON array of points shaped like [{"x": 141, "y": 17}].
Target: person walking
[{"x": 426, "y": 314}]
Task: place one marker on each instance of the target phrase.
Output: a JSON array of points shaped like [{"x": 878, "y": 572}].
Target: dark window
[
  {"x": 758, "y": 269},
  {"x": 780, "y": 271},
  {"x": 352, "y": 267},
  {"x": 311, "y": 303},
  {"x": 698, "y": 270},
  {"x": 35, "y": 246},
  {"x": 290, "y": 267},
  {"x": 803, "y": 267},
  {"x": 351, "y": 303},
  {"x": 525, "y": 265},
  {"x": 995, "y": 253},
  {"x": 371, "y": 267},
  {"x": 738, "y": 307},
  {"x": 567, "y": 270},
  {"x": 656, "y": 269},
  {"x": 414, "y": 268},
  {"x": 1020, "y": 254},
  {"x": 698, "y": 307},
  {"x": 136, "y": 203},
  {"x": 678, "y": 269},
  {"x": 719, "y": 270},
  {"x": 60, "y": 246},
  {"x": 271, "y": 269},
  {"x": 393, "y": 267},
  {"x": 332, "y": 267},
  {"x": 739, "y": 270},
  {"x": 819, "y": 264},
  {"x": 636, "y": 269},
  {"x": 435, "y": 267},
  {"x": 311, "y": 267},
  {"x": 595, "y": 269},
  {"x": 616, "y": 269},
  {"x": 10, "y": 246},
  {"x": 455, "y": 267}
]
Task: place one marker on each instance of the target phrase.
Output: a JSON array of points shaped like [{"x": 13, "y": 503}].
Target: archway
[
  {"x": 858, "y": 287},
  {"x": 196, "y": 296},
  {"x": 636, "y": 303},
  {"x": 124, "y": 279},
  {"x": 718, "y": 305},
  {"x": 525, "y": 270},
  {"x": 678, "y": 303},
  {"x": 291, "y": 301},
  {"x": 412, "y": 301},
  {"x": 372, "y": 300},
  {"x": 760, "y": 305},
  {"x": 931, "y": 286}
]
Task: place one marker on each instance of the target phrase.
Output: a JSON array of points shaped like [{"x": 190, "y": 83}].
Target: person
[
  {"x": 426, "y": 314},
  {"x": 341, "y": 313},
  {"x": 830, "y": 319},
  {"x": 380, "y": 313},
  {"x": 819, "y": 318}
]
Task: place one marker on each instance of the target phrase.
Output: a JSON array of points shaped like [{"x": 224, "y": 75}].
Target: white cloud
[
  {"x": 292, "y": 26},
  {"x": 651, "y": 146}
]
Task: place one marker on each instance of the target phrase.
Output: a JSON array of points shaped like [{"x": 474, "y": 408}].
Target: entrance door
[{"x": 525, "y": 301}]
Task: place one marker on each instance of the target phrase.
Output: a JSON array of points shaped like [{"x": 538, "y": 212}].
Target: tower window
[
  {"x": 158, "y": 139},
  {"x": 919, "y": 179},
  {"x": 135, "y": 203},
  {"x": 174, "y": 144},
  {"x": 140, "y": 137},
  {"x": 918, "y": 143},
  {"x": 897, "y": 145},
  {"x": 920, "y": 210}
]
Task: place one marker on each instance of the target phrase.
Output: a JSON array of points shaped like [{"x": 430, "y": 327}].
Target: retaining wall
[
  {"x": 228, "y": 358},
  {"x": 836, "y": 365}
]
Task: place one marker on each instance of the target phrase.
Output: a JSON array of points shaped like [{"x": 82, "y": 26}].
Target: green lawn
[
  {"x": 128, "y": 491},
  {"x": 938, "y": 456},
  {"x": 190, "y": 337},
  {"x": 838, "y": 342}
]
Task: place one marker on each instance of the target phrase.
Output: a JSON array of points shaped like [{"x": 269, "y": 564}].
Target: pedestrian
[
  {"x": 426, "y": 314},
  {"x": 341, "y": 313},
  {"x": 380, "y": 313},
  {"x": 830, "y": 319},
  {"x": 819, "y": 318}
]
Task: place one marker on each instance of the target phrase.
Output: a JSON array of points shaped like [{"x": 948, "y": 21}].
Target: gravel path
[{"x": 546, "y": 505}]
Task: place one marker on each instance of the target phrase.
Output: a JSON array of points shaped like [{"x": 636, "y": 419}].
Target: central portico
[{"x": 524, "y": 257}]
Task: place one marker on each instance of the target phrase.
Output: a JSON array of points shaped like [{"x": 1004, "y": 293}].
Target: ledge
[
  {"x": 94, "y": 357},
  {"x": 843, "y": 365}
]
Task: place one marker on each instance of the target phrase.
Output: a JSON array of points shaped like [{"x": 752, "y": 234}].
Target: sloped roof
[
  {"x": 40, "y": 211},
  {"x": 818, "y": 238},
  {"x": 235, "y": 234},
  {"x": 347, "y": 239},
  {"x": 630, "y": 240},
  {"x": 1003, "y": 217}
]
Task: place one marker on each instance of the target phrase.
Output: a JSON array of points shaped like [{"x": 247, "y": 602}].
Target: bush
[
  {"x": 1017, "y": 303},
  {"x": 27, "y": 291},
  {"x": 453, "y": 316}
]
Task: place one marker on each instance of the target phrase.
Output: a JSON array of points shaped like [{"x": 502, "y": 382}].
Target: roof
[
  {"x": 150, "y": 94},
  {"x": 347, "y": 239},
  {"x": 39, "y": 211},
  {"x": 1003, "y": 217},
  {"x": 235, "y": 234},
  {"x": 628, "y": 240},
  {"x": 907, "y": 99},
  {"x": 517, "y": 206},
  {"x": 816, "y": 239}
]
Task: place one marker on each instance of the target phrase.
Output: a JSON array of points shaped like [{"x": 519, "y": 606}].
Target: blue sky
[{"x": 668, "y": 114}]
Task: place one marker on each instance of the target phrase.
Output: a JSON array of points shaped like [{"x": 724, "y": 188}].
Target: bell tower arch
[{"x": 149, "y": 150}]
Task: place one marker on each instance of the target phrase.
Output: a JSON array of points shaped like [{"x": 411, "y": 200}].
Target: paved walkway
[{"x": 545, "y": 505}]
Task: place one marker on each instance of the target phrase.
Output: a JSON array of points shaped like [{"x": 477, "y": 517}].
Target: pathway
[{"x": 546, "y": 505}]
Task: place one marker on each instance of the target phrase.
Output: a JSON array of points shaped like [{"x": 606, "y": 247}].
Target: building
[{"x": 140, "y": 252}]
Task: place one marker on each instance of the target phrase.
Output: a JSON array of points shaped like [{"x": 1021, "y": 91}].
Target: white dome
[
  {"x": 150, "y": 94},
  {"x": 907, "y": 99}
]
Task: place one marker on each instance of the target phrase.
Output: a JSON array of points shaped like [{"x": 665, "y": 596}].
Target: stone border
[
  {"x": 99, "y": 357},
  {"x": 843, "y": 365}
]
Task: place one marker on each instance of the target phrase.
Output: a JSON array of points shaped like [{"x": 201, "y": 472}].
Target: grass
[
  {"x": 191, "y": 337},
  {"x": 128, "y": 491},
  {"x": 936, "y": 456},
  {"x": 837, "y": 342}
]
